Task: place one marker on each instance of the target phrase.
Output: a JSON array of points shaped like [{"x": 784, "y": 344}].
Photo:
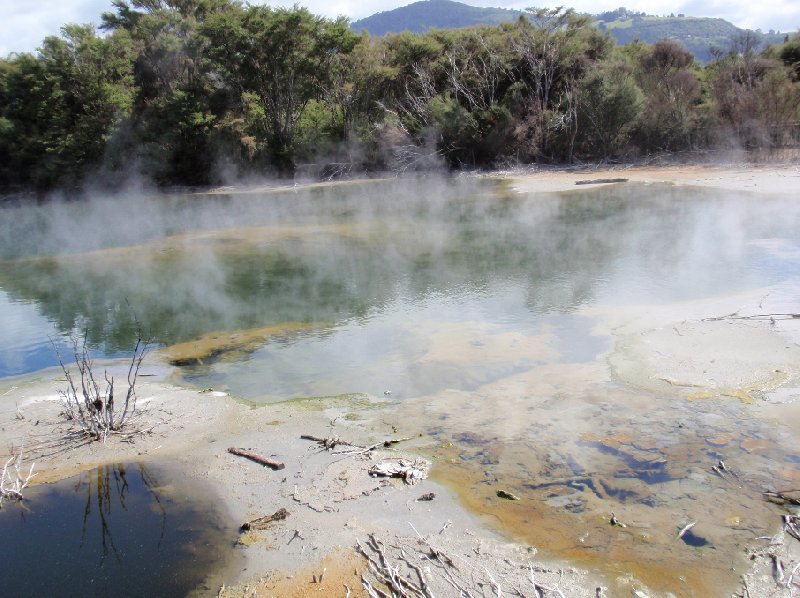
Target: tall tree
[
  {"x": 64, "y": 104},
  {"x": 177, "y": 107},
  {"x": 667, "y": 75},
  {"x": 276, "y": 61},
  {"x": 755, "y": 97},
  {"x": 554, "y": 48}
]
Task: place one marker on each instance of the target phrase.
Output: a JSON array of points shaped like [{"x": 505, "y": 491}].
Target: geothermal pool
[{"x": 561, "y": 347}]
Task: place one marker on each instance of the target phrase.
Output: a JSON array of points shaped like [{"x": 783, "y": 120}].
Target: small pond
[{"x": 119, "y": 530}]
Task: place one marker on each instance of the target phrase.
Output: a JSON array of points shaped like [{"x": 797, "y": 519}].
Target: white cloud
[{"x": 24, "y": 25}]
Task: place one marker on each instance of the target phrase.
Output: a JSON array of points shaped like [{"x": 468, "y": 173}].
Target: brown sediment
[
  {"x": 617, "y": 552},
  {"x": 329, "y": 577},
  {"x": 214, "y": 345}
]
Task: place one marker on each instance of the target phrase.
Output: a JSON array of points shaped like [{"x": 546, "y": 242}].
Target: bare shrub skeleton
[{"x": 92, "y": 403}]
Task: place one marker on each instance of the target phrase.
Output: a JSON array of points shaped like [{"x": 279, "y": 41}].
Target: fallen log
[
  {"x": 600, "y": 181},
  {"x": 263, "y": 522},
  {"x": 261, "y": 459}
]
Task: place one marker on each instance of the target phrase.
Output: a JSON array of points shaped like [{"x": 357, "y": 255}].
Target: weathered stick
[
  {"x": 329, "y": 443},
  {"x": 736, "y": 316},
  {"x": 263, "y": 522},
  {"x": 598, "y": 181},
  {"x": 265, "y": 461},
  {"x": 782, "y": 497},
  {"x": 682, "y": 533}
]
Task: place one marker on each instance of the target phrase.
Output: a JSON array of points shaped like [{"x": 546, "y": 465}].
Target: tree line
[{"x": 189, "y": 92}]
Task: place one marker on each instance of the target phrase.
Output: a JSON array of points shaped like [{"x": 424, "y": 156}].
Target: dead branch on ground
[
  {"x": 600, "y": 181},
  {"x": 264, "y": 522},
  {"x": 782, "y": 497},
  {"x": 769, "y": 317},
  {"x": 331, "y": 442},
  {"x": 261, "y": 459}
]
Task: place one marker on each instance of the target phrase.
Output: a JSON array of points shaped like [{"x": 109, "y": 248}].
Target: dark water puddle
[
  {"x": 693, "y": 539},
  {"x": 121, "y": 530}
]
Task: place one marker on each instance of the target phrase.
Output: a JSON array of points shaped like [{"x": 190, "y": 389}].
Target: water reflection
[
  {"x": 490, "y": 319},
  {"x": 346, "y": 258},
  {"x": 116, "y": 530}
]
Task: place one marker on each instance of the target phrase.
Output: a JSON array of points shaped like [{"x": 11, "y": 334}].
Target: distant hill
[
  {"x": 433, "y": 14},
  {"x": 696, "y": 34}
]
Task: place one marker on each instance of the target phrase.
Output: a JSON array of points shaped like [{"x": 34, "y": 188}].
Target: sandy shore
[
  {"x": 782, "y": 178},
  {"x": 333, "y": 501}
]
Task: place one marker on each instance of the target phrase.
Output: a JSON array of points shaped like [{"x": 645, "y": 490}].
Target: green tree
[
  {"x": 177, "y": 107},
  {"x": 667, "y": 74},
  {"x": 63, "y": 105},
  {"x": 610, "y": 103},
  {"x": 554, "y": 49},
  {"x": 755, "y": 97},
  {"x": 275, "y": 61}
]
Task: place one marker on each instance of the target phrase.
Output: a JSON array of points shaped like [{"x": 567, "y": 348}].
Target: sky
[{"x": 24, "y": 24}]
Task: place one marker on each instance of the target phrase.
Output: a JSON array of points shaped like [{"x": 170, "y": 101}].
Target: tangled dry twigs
[
  {"x": 408, "y": 569},
  {"x": 92, "y": 403},
  {"x": 12, "y": 480}
]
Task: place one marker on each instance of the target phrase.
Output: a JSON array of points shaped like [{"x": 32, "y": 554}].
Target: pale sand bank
[
  {"x": 751, "y": 178},
  {"x": 333, "y": 502}
]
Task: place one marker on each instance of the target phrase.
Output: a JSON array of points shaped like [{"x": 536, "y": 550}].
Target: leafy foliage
[{"x": 190, "y": 92}]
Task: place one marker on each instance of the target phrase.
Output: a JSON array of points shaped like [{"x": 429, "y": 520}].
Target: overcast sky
[{"x": 24, "y": 23}]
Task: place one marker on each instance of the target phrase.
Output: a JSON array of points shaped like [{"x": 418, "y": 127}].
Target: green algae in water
[{"x": 113, "y": 531}]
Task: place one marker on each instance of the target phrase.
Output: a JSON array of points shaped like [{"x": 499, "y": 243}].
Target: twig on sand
[
  {"x": 263, "y": 522},
  {"x": 261, "y": 459},
  {"x": 331, "y": 442},
  {"x": 686, "y": 529},
  {"x": 417, "y": 569},
  {"x": 769, "y": 317},
  {"x": 790, "y": 524},
  {"x": 782, "y": 497}
]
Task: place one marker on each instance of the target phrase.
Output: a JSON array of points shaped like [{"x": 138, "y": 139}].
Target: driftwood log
[
  {"x": 265, "y": 461},
  {"x": 599, "y": 181},
  {"x": 263, "y": 522}
]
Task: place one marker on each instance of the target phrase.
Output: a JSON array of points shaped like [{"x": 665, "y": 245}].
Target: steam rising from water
[
  {"x": 485, "y": 312},
  {"x": 193, "y": 264}
]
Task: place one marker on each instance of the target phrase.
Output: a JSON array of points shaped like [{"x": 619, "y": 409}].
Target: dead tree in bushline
[{"x": 92, "y": 402}]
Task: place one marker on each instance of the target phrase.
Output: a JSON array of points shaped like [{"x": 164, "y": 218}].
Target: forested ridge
[{"x": 197, "y": 92}]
